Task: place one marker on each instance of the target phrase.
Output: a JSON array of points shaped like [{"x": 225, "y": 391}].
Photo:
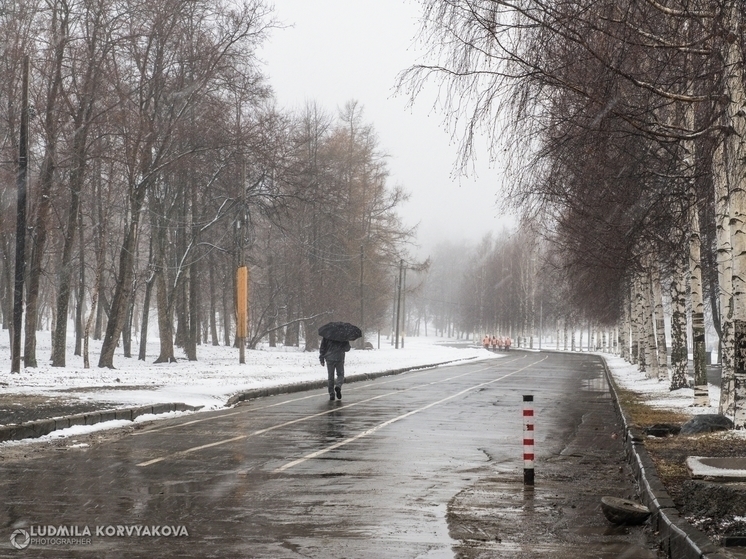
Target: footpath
[{"x": 24, "y": 417}]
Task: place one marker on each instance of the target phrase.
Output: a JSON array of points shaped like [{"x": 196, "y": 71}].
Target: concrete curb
[
  {"x": 319, "y": 384},
  {"x": 41, "y": 427},
  {"x": 678, "y": 539}
]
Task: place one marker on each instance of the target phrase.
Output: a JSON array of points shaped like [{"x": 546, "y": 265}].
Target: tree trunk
[
  {"x": 634, "y": 323},
  {"x": 725, "y": 280},
  {"x": 624, "y": 329},
  {"x": 642, "y": 323},
  {"x": 165, "y": 324},
  {"x": 735, "y": 155},
  {"x": 46, "y": 179},
  {"x": 565, "y": 337},
  {"x": 651, "y": 349},
  {"x": 660, "y": 327},
  {"x": 80, "y": 307},
  {"x": 213, "y": 309},
  {"x": 193, "y": 282},
  {"x": 228, "y": 306},
  {"x": 145, "y": 317},
  {"x": 123, "y": 290},
  {"x": 679, "y": 351},
  {"x": 127, "y": 329},
  {"x": 701, "y": 396},
  {"x": 37, "y": 256}
]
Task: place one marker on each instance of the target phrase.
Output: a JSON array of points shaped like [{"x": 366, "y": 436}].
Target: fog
[{"x": 333, "y": 51}]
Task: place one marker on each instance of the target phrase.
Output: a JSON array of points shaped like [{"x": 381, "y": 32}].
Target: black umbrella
[{"x": 340, "y": 331}]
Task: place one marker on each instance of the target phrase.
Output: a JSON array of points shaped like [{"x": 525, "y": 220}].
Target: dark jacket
[{"x": 332, "y": 350}]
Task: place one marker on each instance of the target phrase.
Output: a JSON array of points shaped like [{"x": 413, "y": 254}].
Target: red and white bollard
[{"x": 528, "y": 440}]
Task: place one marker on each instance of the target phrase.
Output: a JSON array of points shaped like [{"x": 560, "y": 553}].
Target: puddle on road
[
  {"x": 502, "y": 518},
  {"x": 597, "y": 384}
]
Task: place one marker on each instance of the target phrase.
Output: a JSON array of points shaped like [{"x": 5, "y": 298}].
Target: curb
[
  {"x": 318, "y": 384},
  {"x": 677, "y": 538},
  {"x": 41, "y": 427}
]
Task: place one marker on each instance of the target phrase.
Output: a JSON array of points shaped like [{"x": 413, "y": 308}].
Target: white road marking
[
  {"x": 284, "y": 402},
  {"x": 299, "y": 419},
  {"x": 393, "y": 420}
]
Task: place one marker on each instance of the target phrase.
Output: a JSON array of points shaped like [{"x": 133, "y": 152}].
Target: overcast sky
[{"x": 334, "y": 51}]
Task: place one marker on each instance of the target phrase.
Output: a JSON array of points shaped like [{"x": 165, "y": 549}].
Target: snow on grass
[{"x": 657, "y": 393}]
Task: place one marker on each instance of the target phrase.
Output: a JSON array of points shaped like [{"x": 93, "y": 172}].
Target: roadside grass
[
  {"x": 669, "y": 454},
  {"x": 644, "y": 415}
]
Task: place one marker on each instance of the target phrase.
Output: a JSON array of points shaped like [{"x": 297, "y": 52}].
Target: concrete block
[
  {"x": 43, "y": 427},
  {"x": 76, "y": 419},
  {"x": 61, "y": 423},
  {"x": 125, "y": 413},
  {"x": 109, "y": 415},
  {"x": 142, "y": 410},
  {"x": 23, "y": 431},
  {"x": 92, "y": 418},
  {"x": 162, "y": 408}
]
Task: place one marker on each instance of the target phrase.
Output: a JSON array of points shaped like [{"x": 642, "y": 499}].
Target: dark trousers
[{"x": 339, "y": 367}]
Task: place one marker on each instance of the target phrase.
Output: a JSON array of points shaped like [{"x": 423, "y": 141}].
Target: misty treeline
[
  {"x": 490, "y": 287},
  {"x": 159, "y": 164},
  {"x": 624, "y": 123}
]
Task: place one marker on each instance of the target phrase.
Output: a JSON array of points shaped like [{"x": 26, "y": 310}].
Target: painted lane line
[
  {"x": 394, "y": 420},
  {"x": 292, "y": 400},
  {"x": 298, "y": 420}
]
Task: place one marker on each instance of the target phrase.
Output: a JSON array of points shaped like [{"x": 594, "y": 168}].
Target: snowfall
[{"x": 217, "y": 375}]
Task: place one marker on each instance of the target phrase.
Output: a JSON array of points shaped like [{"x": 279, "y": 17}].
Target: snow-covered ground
[
  {"x": 217, "y": 375},
  {"x": 657, "y": 392}
]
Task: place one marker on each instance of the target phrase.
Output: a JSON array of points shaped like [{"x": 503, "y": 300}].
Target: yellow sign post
[{"x": 242, "y": 310}]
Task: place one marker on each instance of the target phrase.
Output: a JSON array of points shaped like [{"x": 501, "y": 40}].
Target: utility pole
[
  {"x": 242, "y": 279},
  {"x": 20, "y": 265},
  {"x": 398, "y": 302},
  {"x": 404, "y": 306},
  {"x": 362, "y": 300},
  {"x": 393, "y": 310}
]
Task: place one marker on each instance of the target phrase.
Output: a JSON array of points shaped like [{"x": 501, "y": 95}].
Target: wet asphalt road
[{"x": 389, "y": 471}]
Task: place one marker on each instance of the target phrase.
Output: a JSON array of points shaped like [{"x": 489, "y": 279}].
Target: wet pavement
[{"x": 426, "y": 464}]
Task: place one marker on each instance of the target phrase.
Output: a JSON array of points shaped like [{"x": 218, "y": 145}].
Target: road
[{"x": 426, "y": 464}]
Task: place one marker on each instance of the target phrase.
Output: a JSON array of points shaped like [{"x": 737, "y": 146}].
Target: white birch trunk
[
  {"x": 658, "y": 317},
  {"x": 679, "y": 353},
  {"x": 725, "y": 280},
  {"x": 564, "y": 338},
  {"x": 642, "y": 335},
  {"x": 624, "y": 330},
  {"x": 558, "y": 335},
  {"x": 651, "y": 352},
  {"x": 735, "y": 156},
  {"x": 633, "y": 323},
  {"x": 701, "y": 396},
  {"x": 614, "y": 342}
]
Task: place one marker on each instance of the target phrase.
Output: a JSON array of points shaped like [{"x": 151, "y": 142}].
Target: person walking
[{"x": 333, "y": 353}]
